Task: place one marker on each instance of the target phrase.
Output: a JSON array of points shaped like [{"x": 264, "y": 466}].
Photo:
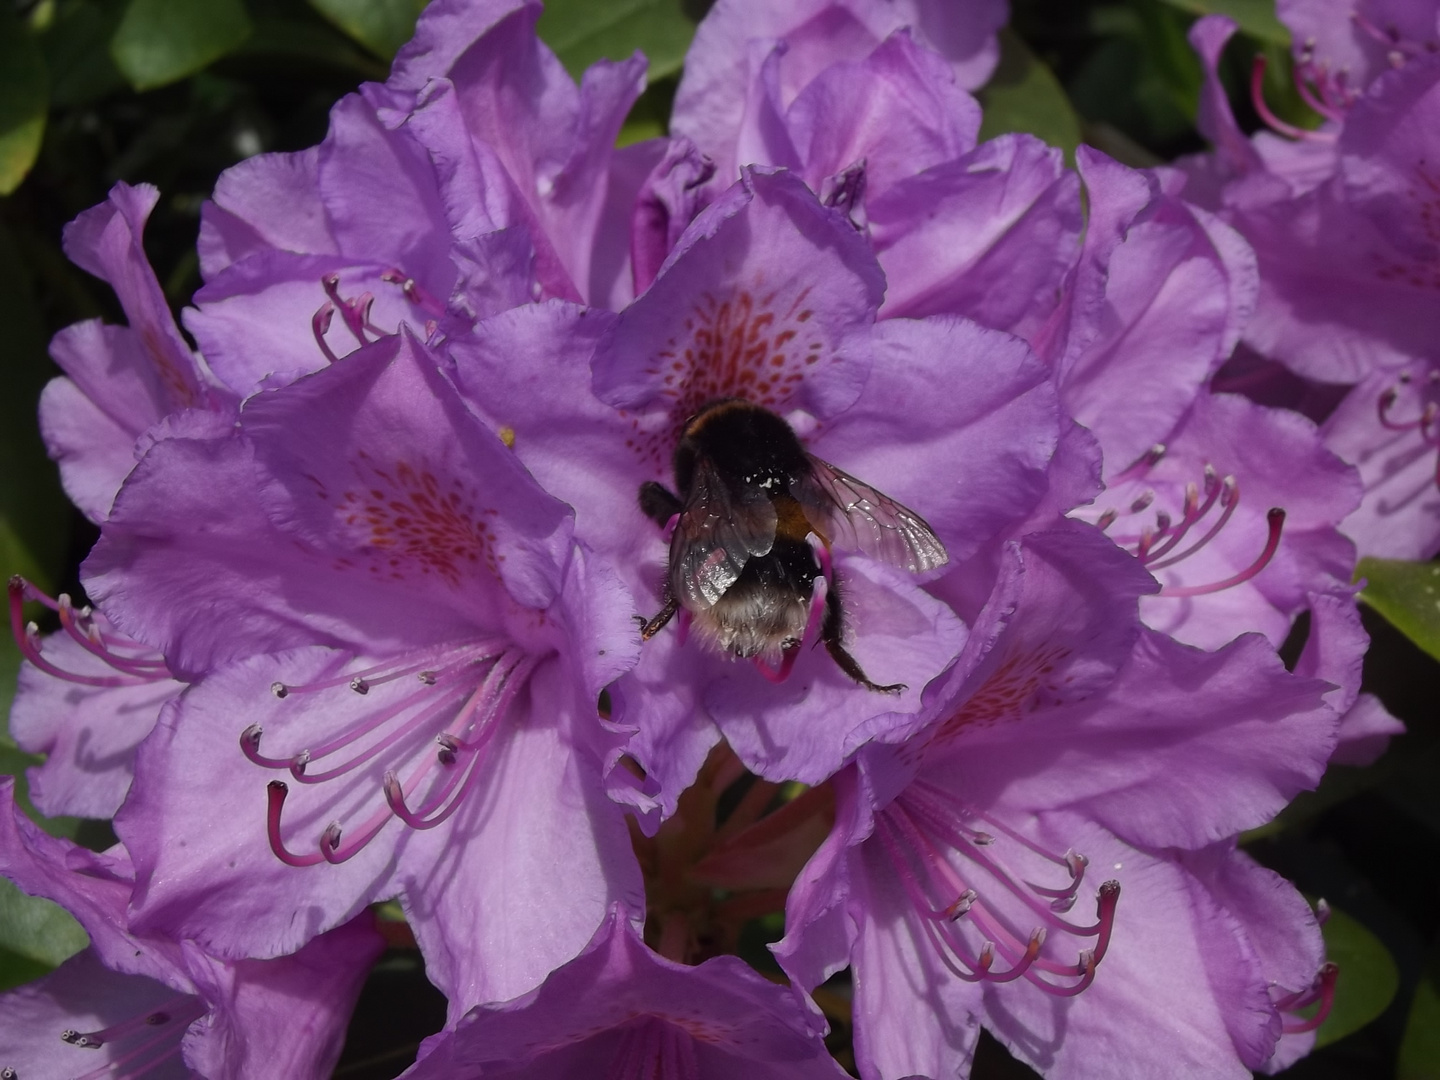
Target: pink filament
[
  {"x": 135, "y": 670},
  {"x": 171, "y": 1029},
  {"x": 477, "y": 713},
  {"x": 1257, "y": 96},
  {"x": 1275, "y": 520},
  {"x": 924, "y": 811},
  {"x": 1322, "y": 990}
]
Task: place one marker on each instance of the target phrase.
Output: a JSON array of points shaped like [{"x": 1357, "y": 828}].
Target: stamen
[
  {"x": 1257, "y": 96},
  {"x": 906, "y": 829},
  {"x": 1142, "y": 465},
  {"x": 135, "y": 670},
  {"x": 356, "y": 313},
  {"x": 1321, "y": 990},
  {"x": 1228, "y": 493},
  {"x": 276, "y": 791},
  {"x": 320, "y": 325},
  {"x": 93, "y": 1040},
  {"x": 171, "y": 1019},
  {"x": 1275, "y": 519},
  {"x": 413, "y": 292},
  {"x": 470, "y": 715}
]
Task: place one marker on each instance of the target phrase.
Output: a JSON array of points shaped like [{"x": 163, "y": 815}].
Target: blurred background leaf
[
  {"x": 1254, "y": 17},
  {"x": 24, "y": 98},
  {"x": 1024, "y": 95},
  {"x": 35, "y": 936},
  {"x": 382, "y": 26},
  {"x": 1368, "y": 977},
  {"x": 1420, "y": 1046},
  {"x": 583, "y": 31},
  {"x": 161, "y": 41},
  {"x": 1408, "y": 595}
]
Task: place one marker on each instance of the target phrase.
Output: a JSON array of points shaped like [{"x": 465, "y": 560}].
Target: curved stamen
[
  {"x": 1322, "y": 990},
  {"x": 413, "y": 292},
  {"x": 135, "y": 670},
  {"x": 1257, "y": 96},
  {"x": 276, "y": 791},
  {"x": 474, "y": 711},
  {"x": 86, "y": 633},
  {"x": 353, "y": 312},
  {"x": 93, "y": 1040},
  {"x": 910, "y": 850},
  {"x": 1326, "y": 109},
  {"x": 1275, "y": 519},
  {"x": 1142, "y": 465},
  {"x": 1229, "y": 495},
  {"x": 320, "y": 326}
]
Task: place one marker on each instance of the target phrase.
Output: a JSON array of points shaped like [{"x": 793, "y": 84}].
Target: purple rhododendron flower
[
  {"x": 383, "y": 593},
  {"x": 158, "y": 1006},
  {"x": 1347, "y": 260},
  {"x": 954, "y": 881},
  {"x": 752, "y": 61},
  {"x": 620, "y": 1011},
  {"x": 500, "y": 184},
  {"x": 771, "y": 296},
  {"x": 121, "y": 381},
  {"x": 885, "y": 129}
]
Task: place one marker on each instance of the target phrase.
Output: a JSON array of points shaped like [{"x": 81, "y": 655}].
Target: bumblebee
[{"x": 751, "y": 532}]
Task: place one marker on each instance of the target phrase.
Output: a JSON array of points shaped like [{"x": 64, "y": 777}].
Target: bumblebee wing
[
  {"x": 721, "y": 526},
  {"x": 853, "y": 515}
]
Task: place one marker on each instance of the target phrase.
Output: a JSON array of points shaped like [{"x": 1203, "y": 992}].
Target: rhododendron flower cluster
[{"x": 364, "y": 620}]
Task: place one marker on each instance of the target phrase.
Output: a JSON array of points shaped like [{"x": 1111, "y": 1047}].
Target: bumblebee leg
[
  {"x": 833, "y": 632},
  {"x": 655, "y": 625},
  {"x": 658, "y": 503}
]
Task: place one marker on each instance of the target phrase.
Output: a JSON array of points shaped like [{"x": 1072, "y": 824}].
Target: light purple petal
[
  {"x": 1399, "y": 515},
  {"x": 968, "y": 461},
  {"x": 710, "y": 105},
  {"x": 1151, "y": 1010},
  {"x": 363, "y": 165},
  {"x": 1148, "y": 758},
  {"x": 738, "y": 1020},
  {"x": 106, "y": 241},
  {"x": 88, "y": 734},
  {"x": 989, "y": 236},
  {"x": 288, "y": 1016},
  {"x": 899, "y": 111},
  {"x": 269, "y": 201},
  {"x": 1173, "y": 302}
]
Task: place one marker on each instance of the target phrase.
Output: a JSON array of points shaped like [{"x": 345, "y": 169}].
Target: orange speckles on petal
[
  {"x": 737, "y": 345},
  {"x": 412, "y": 524}
]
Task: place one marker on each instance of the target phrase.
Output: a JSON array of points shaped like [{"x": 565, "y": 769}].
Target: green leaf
[
  {"x": 1368, "y": 977},
  {"x": 77, "y": 52},
  {"x": 1255, "y": 17},
  {"x": 583, "y": 31},
  {"x": 24, "y": 98},
  {"x": 1420, "y": 1046},
  {"x": 382, "y": 26},
  {"x": 36, "y": 928},
  {"x": 17, "y": 970},
  {"x": 1024, "y": 95},
  {"x": 161, "y": 41},
  {"x": 34, "y": 516},
  {"x": 1408, "y": 595},
  {"x": 1419, "y": 1057}
]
